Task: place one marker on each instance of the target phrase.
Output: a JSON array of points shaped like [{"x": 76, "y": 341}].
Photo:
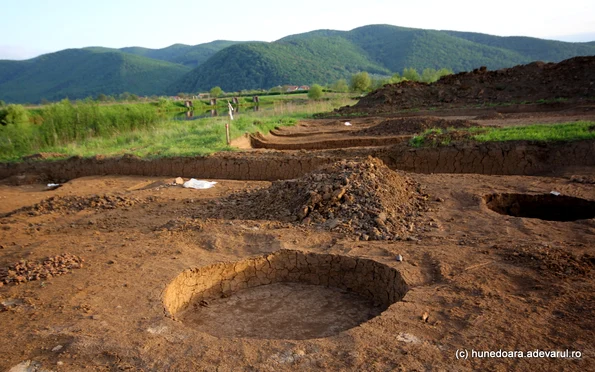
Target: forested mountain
[
  {"x": 79, "y": 73},
  {"x": 321, "y": 56},
  {"x": 325, "y": 55},
  {"x": 187, "y": 55}
]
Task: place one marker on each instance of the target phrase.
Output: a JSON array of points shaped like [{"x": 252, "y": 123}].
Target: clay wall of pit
[
  {"x": 505, "y": 158},
  {"x": 370, "y": 279}
]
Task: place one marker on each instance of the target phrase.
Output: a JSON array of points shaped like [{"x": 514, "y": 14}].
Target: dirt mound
[
  {"x": 365, "y": 199},
  {"x": 77, "y": 203},
  {"x": 412, "y": 125},
  {"x": 572, "y": 79},
  {"x": 25, "y": 271}
]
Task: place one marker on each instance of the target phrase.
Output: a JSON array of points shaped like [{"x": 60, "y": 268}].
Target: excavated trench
[
  {"x": 515, "y": 157},
  {"x": 288, "y": 294},
  {"x": 548, "y": 207}
]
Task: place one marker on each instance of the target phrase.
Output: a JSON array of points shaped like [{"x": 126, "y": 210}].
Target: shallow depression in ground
[
  {"x": 284, "y": 295},
  {"x": 282, "y": 311}
]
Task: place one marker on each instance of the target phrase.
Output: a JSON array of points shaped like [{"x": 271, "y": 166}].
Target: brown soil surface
[
  {"x": 572, "y": 79},
  {"x": 413, "y": 125},
  {"x": 343, "y": 262},
  {"x": 480, "y": 280}
]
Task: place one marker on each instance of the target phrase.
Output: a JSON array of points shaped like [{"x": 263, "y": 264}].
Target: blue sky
[{"x": 33, "y": 27}]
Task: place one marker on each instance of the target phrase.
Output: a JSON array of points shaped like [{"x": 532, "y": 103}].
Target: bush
[
  {"x": 315, "y": 92},
  {"x": 216, "y": 92},
  {"x": 13, "y": 114},
  {"x": 340, "y": 86},
  {"x": 360, "y": 82}
]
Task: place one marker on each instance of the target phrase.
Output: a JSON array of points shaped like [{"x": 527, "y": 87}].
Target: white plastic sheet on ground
[
  {"x": 347, "y": 123},
  {"x": 198, "y": 184}
]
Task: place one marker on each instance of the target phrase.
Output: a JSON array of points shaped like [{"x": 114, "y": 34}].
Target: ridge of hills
[
  {"x": 321, "y": 56},
  {"x": 324, "y": 56}
]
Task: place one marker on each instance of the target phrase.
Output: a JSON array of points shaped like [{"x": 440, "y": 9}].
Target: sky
[{"x": 34, "y": 27}]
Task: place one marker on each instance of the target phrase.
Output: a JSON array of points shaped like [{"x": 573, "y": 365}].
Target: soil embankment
[
  {"x": 512, "y": 158},
  {"x": 570, "y": 80}
]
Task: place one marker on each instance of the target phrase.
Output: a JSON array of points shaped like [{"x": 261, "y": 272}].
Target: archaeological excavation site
[{"x": 322, "y": 246}]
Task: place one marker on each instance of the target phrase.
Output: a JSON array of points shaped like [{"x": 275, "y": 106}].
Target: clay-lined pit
[
  {"x": 284, "y": 295},
  {"x": 543, "y": 206}
]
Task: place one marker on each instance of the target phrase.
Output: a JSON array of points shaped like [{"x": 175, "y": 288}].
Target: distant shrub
[
  {"x": 13, "y": 114},
  {"x": 216, "y": 92},
  {"x": 340, "y": 86},
  {"x": 411, "y": 74},
  {"x": 360, "y": 82},
  {"x": 315, "y": 92}
]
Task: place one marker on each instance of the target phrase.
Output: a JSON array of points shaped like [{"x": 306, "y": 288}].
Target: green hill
[
  {"x": 79, "y": 73},
  {"x": 321, "y": 56},
  {"x": 258, "y": 64},
  {"x": 324, "y": 56},
  {"x": 187, "y": 55}
]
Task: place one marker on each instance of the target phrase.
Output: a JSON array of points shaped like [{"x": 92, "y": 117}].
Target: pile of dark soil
[
  {"x": 572, "y": 79},
  {"x": 364, "y": 198},
  {"x": 76, "y": 203},
  {"x": 25, "y": 271},
  {"x": 412, "y": 125}
]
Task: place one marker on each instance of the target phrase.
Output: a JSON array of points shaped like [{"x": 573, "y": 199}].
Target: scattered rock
[
  {"x": 77, "y": 203},
  {"x": 179, "y": 181},
  {"x": 24, "y": 271},
  {"x": 361, "y": 198}
]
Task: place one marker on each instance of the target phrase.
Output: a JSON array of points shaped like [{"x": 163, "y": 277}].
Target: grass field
[
  {"x": 66, "y": 131},
  {"x": 571, "y": 131}
]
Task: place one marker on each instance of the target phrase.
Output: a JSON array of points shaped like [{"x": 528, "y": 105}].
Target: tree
[
  {"x": 396, "y": 78},
  {"x": 360, "y": 82},
  {"x": 315, "y": 92},
  {"x": 379, "y": 83},
  {"x": 340, "y": 86},
  {"x": 411, "y": 74},
  {"x": 216, "y": 92},
  {"x": 2, "y": 103},
  {"x": 101, "y": 97}
]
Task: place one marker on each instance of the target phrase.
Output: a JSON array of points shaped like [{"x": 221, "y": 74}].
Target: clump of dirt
[
  {"x": 25, "y": 271},
  {"x": 412, "y": 125},
  {"x": 588, "y": 179},
  {"x": 77, "y": 203},
  {"x": 572, "y": 79},
  {"x": 552, "y": 260},
  {"x": 440, "y": 138},
  {"x": 361, "y": 198}
]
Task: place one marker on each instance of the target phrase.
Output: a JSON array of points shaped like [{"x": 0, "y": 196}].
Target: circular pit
[
  {"x": 548, "y": 207},
  {"x": 284, "y": 295}
]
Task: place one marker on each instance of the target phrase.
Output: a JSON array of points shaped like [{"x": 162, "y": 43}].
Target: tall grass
[
  {"x": 62, "y": 123},
  {"x": 88, "y": 129}
]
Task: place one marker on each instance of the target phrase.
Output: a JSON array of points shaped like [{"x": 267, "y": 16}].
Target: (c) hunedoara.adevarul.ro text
[{"x": 562, "y": 354}]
